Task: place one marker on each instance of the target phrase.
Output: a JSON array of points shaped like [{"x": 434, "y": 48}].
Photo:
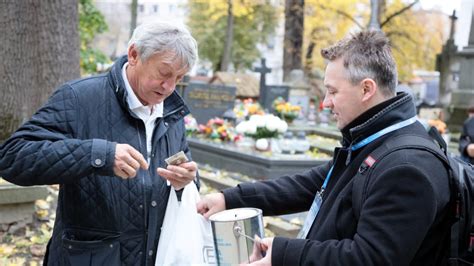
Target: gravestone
[
  {"x": 272, "y": 92},
  {"x": 447, "y": 63},
  {"x": 207, "y": 101},
  {"x": 463, "y": 97},
  {"x": 299, "y": 90}
]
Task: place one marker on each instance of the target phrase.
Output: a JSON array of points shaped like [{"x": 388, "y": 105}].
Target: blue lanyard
[{"x": 371, "y": 138}]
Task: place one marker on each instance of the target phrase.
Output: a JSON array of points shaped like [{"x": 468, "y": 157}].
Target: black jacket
[
  {"x": 101, "y": 219},
  {"x": 403, "y": 219},
  {"x": 467, "y": 137}
]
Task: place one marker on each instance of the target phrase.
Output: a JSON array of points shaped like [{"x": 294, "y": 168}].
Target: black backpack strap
[
  {"x": 405, "y": 141},
  {"x": 434, "y": 134},
  {"x": 435, "y": 146}
]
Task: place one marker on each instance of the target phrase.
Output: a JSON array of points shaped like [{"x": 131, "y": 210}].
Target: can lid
[{"x": 235, "y": 214}]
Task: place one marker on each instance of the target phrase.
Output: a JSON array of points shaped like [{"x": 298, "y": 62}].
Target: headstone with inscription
[
  {"x": 207, "y": 101},
  {"x": 272, "y": 92}
]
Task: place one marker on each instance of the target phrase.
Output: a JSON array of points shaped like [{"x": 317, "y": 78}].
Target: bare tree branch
[
  {"x": 402, "y": 34},
  {"x": 342, "y": 13},
  {"x": 399, "y": 12}
]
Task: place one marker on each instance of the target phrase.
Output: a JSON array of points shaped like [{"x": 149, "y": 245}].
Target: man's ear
[
  {"x": 369, "y": 88},
  {"x": 132, "y": 55}
]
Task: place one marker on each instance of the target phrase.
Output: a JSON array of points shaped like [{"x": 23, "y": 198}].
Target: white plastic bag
[{"x": 186, "y": 236}]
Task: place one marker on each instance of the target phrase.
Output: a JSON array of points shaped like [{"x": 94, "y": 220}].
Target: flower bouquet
[
  {"x": 263, "y": 129},
  {"x": 218, "y": 129},
  {"x": 246, "y": 108},
  {"x": 262, "y": 126},
  {"x": 286, "y": 110},
  {"x": 191, "y": 125}
]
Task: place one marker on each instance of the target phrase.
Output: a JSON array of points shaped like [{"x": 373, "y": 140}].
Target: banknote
[{"x": 177, "y": 158}]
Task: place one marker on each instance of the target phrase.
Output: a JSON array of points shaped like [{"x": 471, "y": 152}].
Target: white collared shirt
[{"x": 148, "y": 114}]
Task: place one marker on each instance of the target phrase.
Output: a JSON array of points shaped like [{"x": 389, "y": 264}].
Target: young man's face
[
  {"x": 343, "y": 98},
  {"x": 155, "y": 79}
]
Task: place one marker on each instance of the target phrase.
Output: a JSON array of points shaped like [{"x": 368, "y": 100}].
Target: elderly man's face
[
  {"x": 155, "y": 79},
  {"x": 343, "y": 98}
]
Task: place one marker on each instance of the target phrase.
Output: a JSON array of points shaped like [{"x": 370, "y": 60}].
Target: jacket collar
[
  {"x": 173, "y": 104},
  {"x": 389, "y": 112}
]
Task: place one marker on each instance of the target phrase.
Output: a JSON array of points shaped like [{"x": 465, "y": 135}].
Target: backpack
[{"x": 461, "y": 181}]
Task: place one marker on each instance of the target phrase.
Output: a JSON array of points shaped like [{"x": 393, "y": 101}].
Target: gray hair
[
  {"x": 162, "y": 37},
  {"x": 367, "y": 54}
]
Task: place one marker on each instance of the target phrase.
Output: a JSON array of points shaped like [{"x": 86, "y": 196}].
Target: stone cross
[
  {"x": 263, "y": 70},
  {"x": 453, "y": 19}
]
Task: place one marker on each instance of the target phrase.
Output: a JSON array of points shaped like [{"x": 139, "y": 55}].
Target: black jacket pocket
[{"x": 91, "y": 247}]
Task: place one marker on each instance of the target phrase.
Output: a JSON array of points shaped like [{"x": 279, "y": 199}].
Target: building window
[
  {"x": 156, "y": 8},
  {"x": 141, "y": 8}
]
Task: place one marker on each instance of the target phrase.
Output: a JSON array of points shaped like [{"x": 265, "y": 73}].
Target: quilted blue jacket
[{"x": 101, "y": 219}]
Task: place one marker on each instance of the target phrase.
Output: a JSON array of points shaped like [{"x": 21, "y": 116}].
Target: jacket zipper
[
  {"x": 152, "y": 155},
  {"x": 145, "y": 205}
]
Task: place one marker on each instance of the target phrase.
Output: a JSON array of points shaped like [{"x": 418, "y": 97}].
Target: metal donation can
[{"x": 234, "y": 233}]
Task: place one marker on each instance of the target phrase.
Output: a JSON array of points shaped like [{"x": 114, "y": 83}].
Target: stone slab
[
  {"x": 323, "y": 131},
  {"x": 231, "y": 158},
  {"x": 17, "y": 212},
  {"x": 17, "y": 204},
  {"x": 218, "y": 184},
  {"x": 11, "y": 194},
  {"x": 282, "y": 228}
]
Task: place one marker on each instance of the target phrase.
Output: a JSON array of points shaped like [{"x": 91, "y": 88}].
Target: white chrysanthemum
[
  {"x": 259, "y": 120},
  {"x": 272, "y": 122},
  {"x": 282, "y": 126},
  {"x": 241, "y": 128},
  {"x": 251, "y": 128}
]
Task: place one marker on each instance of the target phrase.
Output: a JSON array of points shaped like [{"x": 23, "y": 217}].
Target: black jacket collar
[{"x": 394, "y": 110}]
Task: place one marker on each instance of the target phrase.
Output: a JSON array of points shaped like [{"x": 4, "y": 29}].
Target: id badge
[{"x": 313, "y": 212}]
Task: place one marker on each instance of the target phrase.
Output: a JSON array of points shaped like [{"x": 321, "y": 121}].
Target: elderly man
[
  {"x": 399, "y": 216},
  {"x": 105, "y": 139}
]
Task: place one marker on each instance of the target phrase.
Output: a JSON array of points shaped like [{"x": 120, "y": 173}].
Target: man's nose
[
  {"x": 327, "y": 103},
  {"x": 169, "y": 84}
]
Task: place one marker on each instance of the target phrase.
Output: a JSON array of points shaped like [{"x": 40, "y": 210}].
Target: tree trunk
[
  {"x": 293, "y": 40},
  {"x": 229, "y": 37},
  {"x": 40, "y": 50},
  {"x": 133, "y": 20}
]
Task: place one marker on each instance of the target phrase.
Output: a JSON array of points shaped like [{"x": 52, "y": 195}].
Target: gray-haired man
[{"x": 105, "y": 139}]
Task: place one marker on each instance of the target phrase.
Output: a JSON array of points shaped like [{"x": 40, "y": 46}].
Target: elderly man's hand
[
  {"x": 179, "y": 175},
  {"x": 127, "y": 161}
]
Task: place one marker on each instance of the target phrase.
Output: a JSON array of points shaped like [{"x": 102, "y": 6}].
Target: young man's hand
[{"x": 210, "y": 204}]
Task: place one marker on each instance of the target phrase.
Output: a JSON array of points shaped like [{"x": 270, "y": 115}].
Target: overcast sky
[{"x": 446, "y": 6}]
